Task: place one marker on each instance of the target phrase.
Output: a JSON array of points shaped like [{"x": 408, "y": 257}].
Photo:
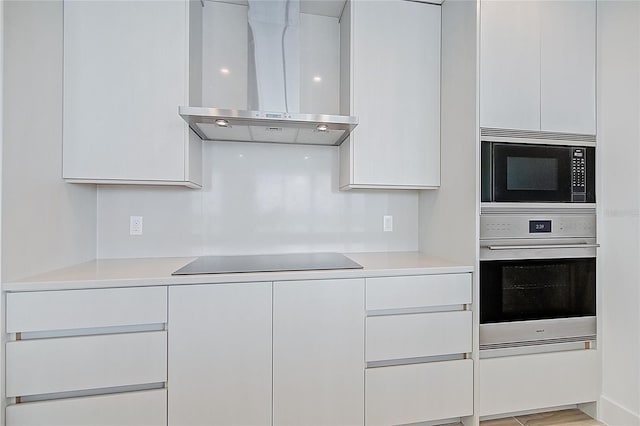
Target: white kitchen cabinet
[
  {"x": 128, "y": 65},
  {"x": 510, "y": 64},
  {"x": 418, "y": 337},
  {"x": 537, "y": 65},
  {"x": 418, "y": 393},
  {"x": 87, "y": 357},
  {"x": 418, "y": 291},
  {"x": 318, "y": 352},
  {"x": 145, "y": 408},
  {"x": 551, "y": 380},
  {"x": 390, "y": 80},
  {"x": 568, "y": 66},
  {"x": 66, "y": 364},
  {"x": 391, "y": 337},
  {"x": 81, "y": 309},
  {"x": 220, "y": 354}
]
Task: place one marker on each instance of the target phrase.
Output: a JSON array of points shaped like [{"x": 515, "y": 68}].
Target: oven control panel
[{"x": 497, "y": 226}]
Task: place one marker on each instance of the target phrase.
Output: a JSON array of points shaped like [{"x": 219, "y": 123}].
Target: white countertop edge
[{"x": 73, "y": 276}]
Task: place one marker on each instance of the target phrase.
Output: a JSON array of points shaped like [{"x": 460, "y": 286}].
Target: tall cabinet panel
[
  {"x": 538, "y": 65},
  {"x": 510, "y": 64},
  {"x": 126, "y": 71},
  {"x": 220, "y": 354},
  {"x": 393, "y": 86},
  {"x": 568, "y": 66},
  {"x": 318, "y": 353}
]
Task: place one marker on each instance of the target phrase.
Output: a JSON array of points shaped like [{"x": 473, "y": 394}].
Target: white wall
[
  {"x": 46, "y": 224},
  {"x": 256, "y": 198},
  {"x": 3, "y": 335},
  {"x": 448, "y": 215},
  {"x": 619, "y": 209}
]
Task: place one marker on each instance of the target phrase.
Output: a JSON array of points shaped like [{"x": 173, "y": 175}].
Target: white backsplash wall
[{"x": 256, "y": 198}]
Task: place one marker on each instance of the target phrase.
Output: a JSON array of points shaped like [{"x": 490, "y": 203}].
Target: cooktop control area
[{"x": 267, "y": 263}]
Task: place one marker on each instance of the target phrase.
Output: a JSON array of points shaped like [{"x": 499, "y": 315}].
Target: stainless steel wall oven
[{"x": 537, "y": 278}]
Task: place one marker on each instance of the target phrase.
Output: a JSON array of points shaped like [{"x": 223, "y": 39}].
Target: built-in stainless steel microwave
[{"x": 533, "y": 173}]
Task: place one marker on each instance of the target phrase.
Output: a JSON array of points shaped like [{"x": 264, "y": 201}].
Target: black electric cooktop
[{"x": 267, "y": 263}]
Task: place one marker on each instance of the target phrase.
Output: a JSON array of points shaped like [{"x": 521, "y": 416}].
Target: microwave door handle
[{"x": 546, "y": 246}]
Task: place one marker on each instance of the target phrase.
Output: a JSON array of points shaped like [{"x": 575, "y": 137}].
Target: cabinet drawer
[
  {"x": 72, "y": 309},
  {"x": 417, "y": 335},
  {"x": 90, "y": 362},
  {"x": 419, "y": 392},
  {"x": 418, "y": 291},
  {"x": 552, "y": 380},
  {"x": 147, "y": 408}
]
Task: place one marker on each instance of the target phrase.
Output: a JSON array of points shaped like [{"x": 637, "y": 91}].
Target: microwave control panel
[{"x": 578, "y": 175}]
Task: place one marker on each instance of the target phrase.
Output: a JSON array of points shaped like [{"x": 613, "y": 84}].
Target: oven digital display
[{"x": 539, "y": 226}]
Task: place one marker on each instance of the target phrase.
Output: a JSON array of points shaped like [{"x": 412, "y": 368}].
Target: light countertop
[{"x": 108, "y": 273}]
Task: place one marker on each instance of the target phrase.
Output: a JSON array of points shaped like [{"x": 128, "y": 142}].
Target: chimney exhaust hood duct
[{"x": 274, "y": 26}]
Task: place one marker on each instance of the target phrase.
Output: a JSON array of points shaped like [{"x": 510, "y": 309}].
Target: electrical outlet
[
  {"x": 135, "y": 225},
  {"x": 387, "y": 223}
]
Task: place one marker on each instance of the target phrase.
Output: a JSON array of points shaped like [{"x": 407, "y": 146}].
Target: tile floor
[{"x": 572, "y": 417}]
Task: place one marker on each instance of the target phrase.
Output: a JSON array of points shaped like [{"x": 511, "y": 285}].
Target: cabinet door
[
  {"x": 510, "y": 64},
  {"x": 220, "y": 354},
  {"x": 125, "y": 74},
  {"x": 318, "y": 352},
  {"x": 568, "y": 66},
  {"x": 395, "y": 94}
]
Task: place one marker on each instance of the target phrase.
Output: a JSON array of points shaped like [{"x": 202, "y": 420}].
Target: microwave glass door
[
  {"x": 535, "y": 289},
  {"x": 531, "y": 173}
]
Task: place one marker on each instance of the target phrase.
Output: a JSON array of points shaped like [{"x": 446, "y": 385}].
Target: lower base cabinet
[
  {"x": 284, "y": 353},
  {"x": 219, "y": 363},
  {"x": 145, "y": 408},
  {"x": 318, "y": 353},
  {"x": 531, "y": 382},
  {"x": 220, "y": 353}
]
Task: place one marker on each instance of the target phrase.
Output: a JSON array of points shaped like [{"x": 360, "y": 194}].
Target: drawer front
[
  {"x": 72, "y": 309},
  {"x": 91, "y": 362},
  {"x": 146, "y": 408},
  {"x": 552, "y": 380},
  {"x": 418, "y": 291},
  {"x": 419, "y": 392},
  {"x": 418, "y": 335}
]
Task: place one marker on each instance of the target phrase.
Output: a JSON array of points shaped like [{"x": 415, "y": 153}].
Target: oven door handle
[{"x": 546, "y": 246}]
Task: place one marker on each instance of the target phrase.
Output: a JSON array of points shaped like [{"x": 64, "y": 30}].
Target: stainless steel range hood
[
  {"x": 214, "y": 124},
  {"x": 273, "y": 88}
]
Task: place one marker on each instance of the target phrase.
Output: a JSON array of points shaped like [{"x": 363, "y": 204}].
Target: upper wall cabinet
[
  {"x": 390, "y": 80},
  {"x": 568, "y": 66},
  {"x": 510, "y": 65},
  {"x": 537, "y": 65},
  {"x": 128, "y": 65}
]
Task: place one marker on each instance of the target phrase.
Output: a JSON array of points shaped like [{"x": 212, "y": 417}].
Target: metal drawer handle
[{"x": 548, "y": 246}]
